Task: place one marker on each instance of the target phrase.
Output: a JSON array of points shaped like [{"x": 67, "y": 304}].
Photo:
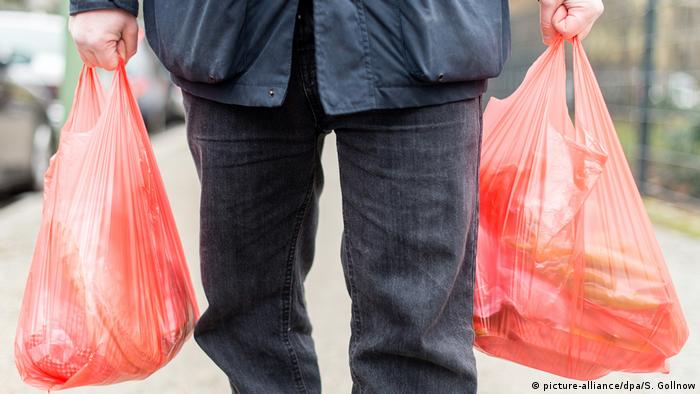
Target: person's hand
[
  {"x": 103, "y": 36},
  {"x": 568, "y": 18}
]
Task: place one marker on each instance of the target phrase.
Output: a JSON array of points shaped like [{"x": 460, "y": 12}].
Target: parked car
[
  {"x": 27, "y": 140},
  {"x": 37, "y": 44}
]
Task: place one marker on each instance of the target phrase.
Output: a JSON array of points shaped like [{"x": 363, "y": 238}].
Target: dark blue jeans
[{"x": 410, "y": 210}]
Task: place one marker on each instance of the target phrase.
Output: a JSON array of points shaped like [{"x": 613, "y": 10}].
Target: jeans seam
[
  {"x": 303, "y": 71},
  {"x": 477, "y": 202},
  {"x": 288, "y": 290},
  {"x": 356, "y": 316}
]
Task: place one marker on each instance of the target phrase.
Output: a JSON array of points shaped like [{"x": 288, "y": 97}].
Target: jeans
[{"x": 409, "y": 180}]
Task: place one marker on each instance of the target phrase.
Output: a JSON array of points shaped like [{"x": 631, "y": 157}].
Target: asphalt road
[{"x": 192, "y": 372}]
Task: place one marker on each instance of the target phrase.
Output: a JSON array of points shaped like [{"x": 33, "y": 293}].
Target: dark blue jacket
[{"x": 370, "y": 54}]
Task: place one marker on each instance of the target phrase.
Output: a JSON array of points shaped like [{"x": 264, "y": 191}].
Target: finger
[
  {"x": 121, "y": 50},
  {"x": 87, "y": 57},
  {"x": 559, "y": 14},
  {"x": 107, "y": 57},
  {"x": 547, "y": 10},
  {"x": 569, "y": 24},
  {"x": 130, "y": 40},
  {"x": 578, "y": 18}
]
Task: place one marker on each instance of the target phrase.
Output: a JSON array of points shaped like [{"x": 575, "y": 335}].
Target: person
[{"x": 400, "y": 84}]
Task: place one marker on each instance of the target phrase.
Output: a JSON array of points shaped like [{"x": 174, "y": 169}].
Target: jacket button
[
  {"x": 441, "y": 76},
  {"x": 271, "y": 93}
]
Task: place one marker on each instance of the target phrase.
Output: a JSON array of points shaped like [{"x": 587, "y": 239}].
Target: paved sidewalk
[{"x": 192, "y": 372}]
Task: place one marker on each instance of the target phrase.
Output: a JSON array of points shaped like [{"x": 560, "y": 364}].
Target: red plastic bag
[
  {"x": 570, "y": 278},
  {"x": 109, "y": 296}
]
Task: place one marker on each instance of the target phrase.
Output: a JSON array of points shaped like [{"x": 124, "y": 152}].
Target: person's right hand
[
  {"x": 103, "y": 36},
  {"x": 568, "y": 18}
]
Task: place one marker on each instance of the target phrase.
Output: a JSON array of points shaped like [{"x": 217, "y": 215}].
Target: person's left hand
[{"x": 568, "y": 18}]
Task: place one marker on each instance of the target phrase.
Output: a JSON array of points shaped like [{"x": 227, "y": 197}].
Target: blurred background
[
  {"x": 38, "y": 72},
  {"x": 645, "y": 54}
]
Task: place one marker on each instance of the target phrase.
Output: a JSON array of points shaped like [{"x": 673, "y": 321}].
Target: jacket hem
[{"x": 385, "y": 97}]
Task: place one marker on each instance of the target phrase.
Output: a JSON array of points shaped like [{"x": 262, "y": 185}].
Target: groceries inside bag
[
  {"x": 570, "y": 278},
  {"x": 109, "y": 296}
]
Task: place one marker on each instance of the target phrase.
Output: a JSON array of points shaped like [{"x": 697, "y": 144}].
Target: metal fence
[{"x": 653, "y": 99}]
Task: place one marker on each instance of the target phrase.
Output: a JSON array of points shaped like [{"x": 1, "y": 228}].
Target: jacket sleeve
[{"x": 77, "y": 6}]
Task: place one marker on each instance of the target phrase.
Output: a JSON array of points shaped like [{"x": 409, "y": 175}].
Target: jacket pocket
[
  {"x": 200, "y": 41},
  {"x": 454, "y": 40}
]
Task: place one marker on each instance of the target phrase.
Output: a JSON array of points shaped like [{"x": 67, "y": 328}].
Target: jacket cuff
[{"x": 77, "y": 6}]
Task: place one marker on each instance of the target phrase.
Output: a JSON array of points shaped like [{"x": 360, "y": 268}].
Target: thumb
[
  {"x": 547, "y": 11},
  {"x": 121, "y": 50},
  {"x": 574, "y": 18},
  {"x": 568, "y": 22}
]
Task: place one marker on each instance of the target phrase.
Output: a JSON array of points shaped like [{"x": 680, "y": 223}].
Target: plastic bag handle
[
  {"x": 88, "y": 102},
  {"x": 121, "y": 97},
  {"x": 89, "y": 98},
  {"x": 590, "y": 110}
]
